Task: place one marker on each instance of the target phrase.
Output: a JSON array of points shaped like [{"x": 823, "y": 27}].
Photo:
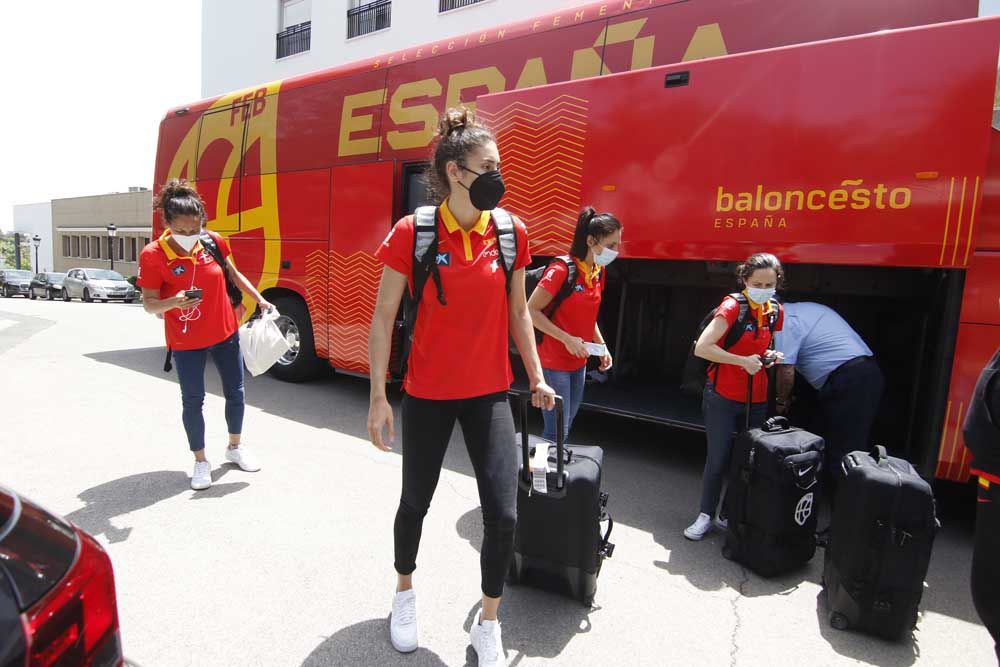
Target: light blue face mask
[
  {"x": 606, "y": 257},
  {"x": 760, "y": 294}
]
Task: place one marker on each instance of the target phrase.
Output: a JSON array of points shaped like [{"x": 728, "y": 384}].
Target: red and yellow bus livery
[{"x": 863, "y": 158}]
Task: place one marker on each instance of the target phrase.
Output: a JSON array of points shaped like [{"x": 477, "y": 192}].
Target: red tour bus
[{"x": 864, "y": 162}]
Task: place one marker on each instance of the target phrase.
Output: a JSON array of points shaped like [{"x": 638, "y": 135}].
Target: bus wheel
[{"x": 300, "y": 363}]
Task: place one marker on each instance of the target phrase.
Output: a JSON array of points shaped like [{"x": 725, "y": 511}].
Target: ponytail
[{"x": 591, "y": 223}]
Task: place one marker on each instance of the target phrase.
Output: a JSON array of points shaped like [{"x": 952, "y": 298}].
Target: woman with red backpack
[
  {"x": 564, "y": 308},
  {"x": 725, "y": 396}
]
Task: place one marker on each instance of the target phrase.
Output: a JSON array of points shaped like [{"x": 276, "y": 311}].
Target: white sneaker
[
  {"x": 201, "y": 478},
  {"x": 485, "y": 638},
  {"x": 403, "y": 625},
  {"x": 244, "y": 459},
  {"x": 701, "y": 526}
]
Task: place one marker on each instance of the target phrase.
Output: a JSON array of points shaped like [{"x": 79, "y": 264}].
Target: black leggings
[
  {"x": 488, "y": 428},
  {"x": 986, "y": 562}
]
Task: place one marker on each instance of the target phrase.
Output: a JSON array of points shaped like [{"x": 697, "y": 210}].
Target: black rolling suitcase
[
  {"x": 773, "y": 496},
  {"x": 558, "y": 545},
  {"x": 883, "y": 529}
]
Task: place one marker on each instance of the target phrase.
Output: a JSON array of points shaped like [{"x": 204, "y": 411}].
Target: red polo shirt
[
  {"x": 576, "y": 315},
  {"x": 731, "y": 381},
  {"x": 459, "y": 350},
  {"x": 214, "y": 320}
]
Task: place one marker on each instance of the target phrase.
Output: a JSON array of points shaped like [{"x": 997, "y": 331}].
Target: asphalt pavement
[{"x": 293, "y": 565}]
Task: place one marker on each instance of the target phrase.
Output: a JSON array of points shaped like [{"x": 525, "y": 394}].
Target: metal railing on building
[
  {"x": 369, "y": 18},
  {"x": 448, "y": 5},
  {"x": 295, "y": 39}
]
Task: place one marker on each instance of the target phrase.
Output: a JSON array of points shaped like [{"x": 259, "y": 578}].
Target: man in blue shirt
[{"x": 833, "y": 358}]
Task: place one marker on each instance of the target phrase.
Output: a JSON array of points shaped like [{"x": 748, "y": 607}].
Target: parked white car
[{"x": 100, "y": 284}]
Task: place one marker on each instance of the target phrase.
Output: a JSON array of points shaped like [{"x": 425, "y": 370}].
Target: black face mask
[{"x": 486, "y": 191}]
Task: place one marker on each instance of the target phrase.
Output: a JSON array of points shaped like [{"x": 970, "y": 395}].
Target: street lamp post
[
  {"x": 112, "y": 232},
  {"x": 37, "y": 240}
]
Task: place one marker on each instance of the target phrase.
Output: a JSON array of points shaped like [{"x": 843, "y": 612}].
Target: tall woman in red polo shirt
[
  {"x": 197, "y": 328},
  {"x": 563, "y": 350},
  {"x": 458, "y": 368},
  {"x": 725, "y": 396}
]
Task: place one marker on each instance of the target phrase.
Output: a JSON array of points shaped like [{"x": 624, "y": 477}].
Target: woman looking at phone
[{"x": 184, "y": 285}]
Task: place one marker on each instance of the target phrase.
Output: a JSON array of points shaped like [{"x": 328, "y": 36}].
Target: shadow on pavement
[
  {"x": 536, "y": 624},
  {"x": 366, "y": 644},
  {"x": 310, "y": 403},
  {"x": 135, "y": 492}
]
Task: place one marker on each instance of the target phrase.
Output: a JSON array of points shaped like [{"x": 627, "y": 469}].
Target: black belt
[{"x": 851, "y": 363}]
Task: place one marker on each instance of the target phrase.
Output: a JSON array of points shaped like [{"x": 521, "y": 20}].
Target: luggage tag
[{"x": 540, "y": 468}]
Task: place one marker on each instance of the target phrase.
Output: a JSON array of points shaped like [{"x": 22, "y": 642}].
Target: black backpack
[
  {"x": 695, "y": 368},
  {"x": 426, "y": 258},
  {"x": 533, "y": 276}
]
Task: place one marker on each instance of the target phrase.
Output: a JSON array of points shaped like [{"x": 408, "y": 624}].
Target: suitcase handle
[
  {"x": 522, "y": 398},
  {"x": 879, "y": 453},
  {"x": 776, "y": 424},
  {"x": 607, "y": 549}
]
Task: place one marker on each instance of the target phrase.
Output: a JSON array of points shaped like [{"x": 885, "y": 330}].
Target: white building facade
[
  {"x": 31, "y": 220},
  {"x": 246, "y": 42}
]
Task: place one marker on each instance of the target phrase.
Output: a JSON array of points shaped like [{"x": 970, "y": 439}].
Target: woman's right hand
[
  {"x": 752, "y": 364},
  {"x": 180, "y": 301},
  {"x": 379, "y": 417},
  {"x": 576, "y": 347}
]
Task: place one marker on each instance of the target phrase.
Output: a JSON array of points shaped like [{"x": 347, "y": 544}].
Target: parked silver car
[
  {"x": 14, "y": 282},
  {"x": 100, "y": 284}
]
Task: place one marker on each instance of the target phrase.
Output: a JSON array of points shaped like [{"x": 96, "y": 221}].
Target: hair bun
[
  {"x": 455, "y": 120},
  {"x": 173, "y": 189}
]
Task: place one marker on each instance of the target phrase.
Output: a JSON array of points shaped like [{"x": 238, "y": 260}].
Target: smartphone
[{"x": 193, "y": 293}]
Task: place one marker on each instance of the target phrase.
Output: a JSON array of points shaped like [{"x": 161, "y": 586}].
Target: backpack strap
[
  {"x": 736, "y": 331},
  {"x": 234, "y": 293},
  {"x": 212, "y": 248},
  {"x": 425, "y": 246},
  {"x": 567, "y": 287},
  {"x": 503, "y": 224}
]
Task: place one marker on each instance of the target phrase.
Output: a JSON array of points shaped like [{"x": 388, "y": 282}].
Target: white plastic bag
[{"x": 262, "y": 342}]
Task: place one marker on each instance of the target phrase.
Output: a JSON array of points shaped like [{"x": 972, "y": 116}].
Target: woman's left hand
[
  {"x": 606, "y": 363},
  {"x": 543, "y": 396}
]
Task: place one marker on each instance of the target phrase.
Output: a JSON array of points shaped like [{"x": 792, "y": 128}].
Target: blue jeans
[
  {"x": 723, "y": 418},
  {"x": 569, "y": 385},
  {"x": 190, "y": 366}
]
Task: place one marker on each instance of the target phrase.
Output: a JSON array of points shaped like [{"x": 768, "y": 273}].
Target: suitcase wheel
[
  {"x": 838, "y": 621},
  {"x": 588, "y": 602},
  {"x": 727, "y": 552}
]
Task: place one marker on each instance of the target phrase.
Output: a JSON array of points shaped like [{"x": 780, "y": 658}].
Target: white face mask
[
  {"x": 606, "y": 257},
  {"x": 760, "y": 294},
  {"x": 185, "y": 241}
]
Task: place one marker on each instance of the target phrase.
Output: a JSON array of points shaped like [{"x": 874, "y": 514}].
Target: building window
[
  {"x": 295, "y": 27},
  {"x": 145, "y": 241},
  {"x": 365, "y": 17},
  {"x": 95, "y": 247},
  {"x": 121, "y": 248},
  {"x": 132, "y": 252},
  {"x": 448, "y": 5},
  {"x": 75, "y": 249},
  {"x": 85, "y": 246},
  {"x": 65, "y": 241}
]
